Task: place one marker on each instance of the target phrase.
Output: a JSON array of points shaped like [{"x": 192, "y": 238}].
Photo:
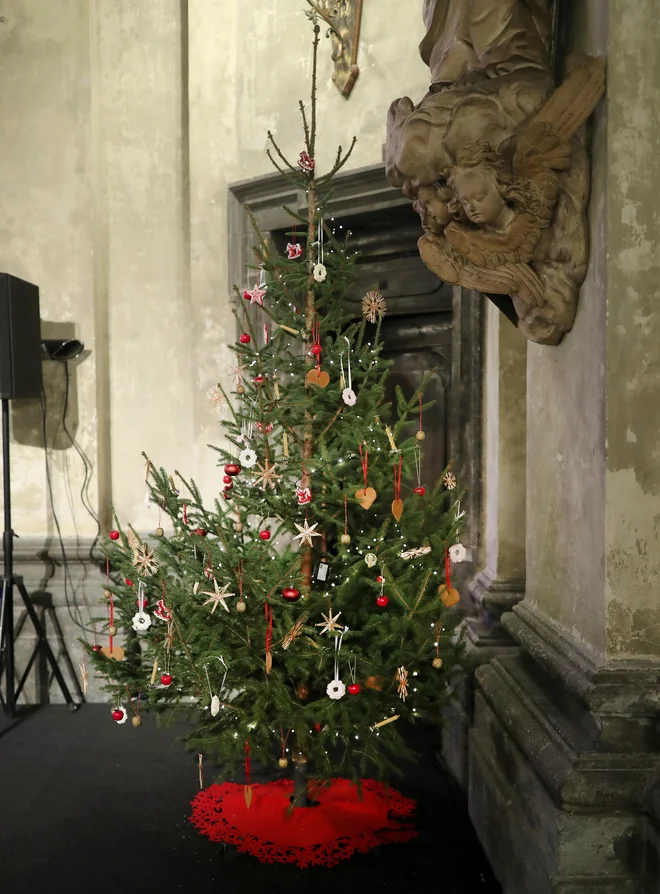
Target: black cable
[
  {"x": 67, "y": 575},
  {"x": 84, "y": 490}
]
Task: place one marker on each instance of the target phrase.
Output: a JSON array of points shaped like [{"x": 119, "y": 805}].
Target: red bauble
[
  {"x": 382, "y": 601},
  {"x": 316, "y": 350},
  {"x": 226, "y": 494},
  {"x": 291, "y": 594},
  {"x": 144, "y": 604},
  {"x": 114, "y": 535},
  {"x": 420, "y": 490},
  {"x": 244, "y": 339},
  {"x": 96, "y": 647},
  {"x": 229, "y": 486},
  {"x": 354, "y": 689},
  {"x": 226, "y": 479},
  {"x": 258, "y": 380},
  {"x": 265, "y": 535},
  {"x": 129, "y": 583},
  {"x": 317, "y": 727},
  {"x": 380, "y": 579},
  {"x": 232, "y": 469},
  {"x": 200, "y": 532},
  {"x": 166, "y": 679},
  {"x": 117, "y": 714}
]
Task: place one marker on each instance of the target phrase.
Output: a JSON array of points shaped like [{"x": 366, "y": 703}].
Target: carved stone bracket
[{"x": 343, "y": 18}]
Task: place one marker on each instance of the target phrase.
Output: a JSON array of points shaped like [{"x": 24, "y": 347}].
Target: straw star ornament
[
  {"x": 218, "y": 596},
  {"x": 266, "y": 476},
  {"x": 306, "y": 533},
  {"x": 329, "y": 623}
]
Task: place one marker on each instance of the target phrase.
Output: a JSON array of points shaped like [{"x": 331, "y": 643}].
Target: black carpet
[{"x": 90, "y": 806}]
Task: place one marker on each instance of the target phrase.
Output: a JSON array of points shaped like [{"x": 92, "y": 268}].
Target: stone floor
[{"x": 90, "y": 806}]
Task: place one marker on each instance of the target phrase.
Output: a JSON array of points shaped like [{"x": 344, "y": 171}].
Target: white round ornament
[
  {"x": 336, "y": 689},
  {"x": 320, "y": 273},
  {"x": 141, "y": 621},
  {"x": 348, "y": 396},
  {"x": 457, "y": 553},
  {"x": 247, "y": 458}
]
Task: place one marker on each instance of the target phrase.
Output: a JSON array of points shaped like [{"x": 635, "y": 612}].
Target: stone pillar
[
  {"x": 565, "y": 742},
  {"x": 500, "y": 581}
]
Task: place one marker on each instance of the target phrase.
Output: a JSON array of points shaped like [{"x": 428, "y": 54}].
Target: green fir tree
[{"x": 228, "y": 619}]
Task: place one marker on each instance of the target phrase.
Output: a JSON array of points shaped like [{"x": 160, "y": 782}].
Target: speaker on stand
[{"x": 20, "y": 377}]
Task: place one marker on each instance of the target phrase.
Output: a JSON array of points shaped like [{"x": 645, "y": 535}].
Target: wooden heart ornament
[
  {"x": 397, "y": 509},
  {"x": 116, "y": 653},
  {"x": 365, "y": 496},
  {"x": 320, "y": 378}
]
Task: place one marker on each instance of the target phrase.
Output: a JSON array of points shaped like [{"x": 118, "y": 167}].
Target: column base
[
  {"x": 561, "y": 755},
  {"x": 485, "y": 638}
]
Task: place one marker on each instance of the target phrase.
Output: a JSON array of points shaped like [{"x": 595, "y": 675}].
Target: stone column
[
  {"x": 566, "y": 742},
  {"x": 500, "y": 581}
]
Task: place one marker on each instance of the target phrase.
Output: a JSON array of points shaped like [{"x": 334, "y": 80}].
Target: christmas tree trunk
[{"x": 324, "y": 554}]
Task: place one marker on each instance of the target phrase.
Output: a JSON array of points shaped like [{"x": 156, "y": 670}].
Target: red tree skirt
[{"x": 340, "y": 826}]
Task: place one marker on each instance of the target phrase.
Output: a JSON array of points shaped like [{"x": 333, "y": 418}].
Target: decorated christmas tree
[{"x": 304, "y": 614}]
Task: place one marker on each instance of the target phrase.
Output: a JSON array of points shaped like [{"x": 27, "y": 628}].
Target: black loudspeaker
[{"x": 20, "y": 339}]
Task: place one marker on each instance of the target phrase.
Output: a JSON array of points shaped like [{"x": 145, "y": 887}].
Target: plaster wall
[
  {"x": 593, "y": 403},
  {"x": 566, "y": 445},
  {"x": 124, "y": 124}
]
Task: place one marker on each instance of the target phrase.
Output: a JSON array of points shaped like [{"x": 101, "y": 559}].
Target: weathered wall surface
[
  {"x": 594, "y": 412},
  {"x": 123, "y": 125}
]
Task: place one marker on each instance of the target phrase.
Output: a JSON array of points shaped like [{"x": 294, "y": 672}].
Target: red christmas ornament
[
  {"x": 166, "y": 679},
  {"x": 229, "y": 486},
  {"x": 265, "y": 535},
  {"x": 96, "y": 647},
  {"x": 232, "y": 469},
  {"x": 117, "y": 714},
  {"x": 382, "y": 601},
  {"x": 244, "y": 338},
  {"x": 420, "y": 490},
  {"x": 129, "y": 583},
  {"x": 316, "y": 350},
  {"x": 380, "y": 579},
  {"x": 200, "y": 532},
  {"x": 144, "y": 604},
  {"x": 227, "y": 479},
  {"x": 291, "y": 594},
  {"x": 317, "y": 727},
  {"x": 354, "y": 689},
  {"x": 114, "y": 535},
  {"x": 258, "y": 380},
  {"x": 226, "y": 494}
]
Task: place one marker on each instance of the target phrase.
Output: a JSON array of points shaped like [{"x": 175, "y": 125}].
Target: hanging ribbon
[
  {"x": 200, "y": 764},
  {"x": 247, "y": 791},
  {"x": 316, "y": 344},
  {"x": 320, "y": 242},
  {"x": 418, "y": 464},
  {"x": 397, "y": 478},
  {"x": 347, "y": 395},
  {"x": 185, "y": 514},
  {"x": 266, "y": 334},
  {"x": 111, "y": 621},
  {"x": 364, "y": 459},
  {"x": 147, "y": 492},
  {"x": 269, "y": 636},
  {"x": 420, "y": 411},
  {"x": 447, "y": 570},
  {"x": 345, "y": 514}
]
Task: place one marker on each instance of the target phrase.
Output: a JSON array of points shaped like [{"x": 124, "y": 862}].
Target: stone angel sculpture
[{"x": 506, "y": 237}]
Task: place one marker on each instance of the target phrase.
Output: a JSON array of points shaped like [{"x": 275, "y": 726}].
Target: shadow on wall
[{"x": 60, "y": 400}]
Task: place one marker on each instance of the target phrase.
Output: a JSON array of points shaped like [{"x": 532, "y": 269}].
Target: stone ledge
[{"x": 614, "y": 687}]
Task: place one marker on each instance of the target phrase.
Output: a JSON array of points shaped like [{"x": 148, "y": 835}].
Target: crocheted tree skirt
[{"x": 341, "y": 825}]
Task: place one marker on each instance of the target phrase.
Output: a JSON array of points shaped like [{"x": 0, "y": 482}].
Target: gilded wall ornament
[{"x": 343, "y": 18}]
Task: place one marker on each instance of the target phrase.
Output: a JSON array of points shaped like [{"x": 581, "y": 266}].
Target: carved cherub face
[
  {"x": 478, "y": 193},
  {"x": 431, "y": 205}
]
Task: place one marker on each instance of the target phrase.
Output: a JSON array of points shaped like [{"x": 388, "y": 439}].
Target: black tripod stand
[{"x": 9, "y": 581}]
